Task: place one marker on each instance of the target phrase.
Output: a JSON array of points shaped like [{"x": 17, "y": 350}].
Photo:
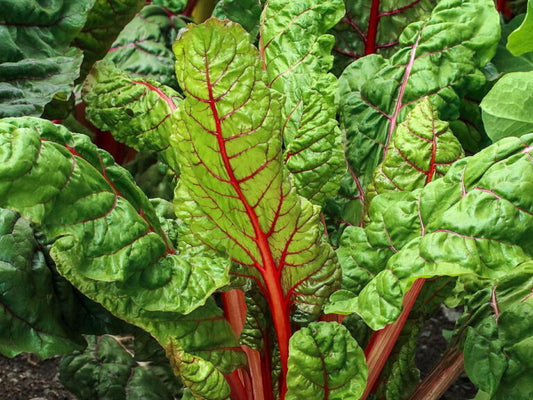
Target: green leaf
[
  {"x": 151, "y": 175},
  {"x": 108, "y": 370},
  {"x": 325, "y": 363},
  {"x": 499, "y": 339},
  {"x": 105, "y": 21},
  {"x": 138, "y": 112},
  {"x": 203, "y": 380},
  {"x": 229, "y": 147},
  {"x": 438, "y": 58},
  {"x": 175, "y": 6},
  {"x": 353, "y": 37},
  {"x": 143, "y": 48},
  {"x": 504, "y": 60},
  {"x": 476, "y": 220},
  {"x": 508, "y": 107},
  {"x": 36, "y": 62},
  {"x": 296, "y": 53},
  {"x": 30, "y": 315},
  {"x": 245, "y": 12},
  {"x": 422, "y": 150},
  {"x": 521, "y": 40}
]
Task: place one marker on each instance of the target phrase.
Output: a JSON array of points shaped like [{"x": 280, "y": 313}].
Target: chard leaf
[
  {"x": 422, "y": 150},
  {"x": 521, "y": 40},
  {"x": 174, "y": 6},
  {"x": 257, "y": 323},
  {"x": 143, "y": 48},
  {"x": 36, "y": 62},
  {"x": 229, "y": 147},
  {"x": 30, "y": 315},
  {"x": 203, "y": 380},
  {"x": 325, "y": 363},
  {"x": 374, "y": 27},
  {"x": 108, "y": 370},
  {"x": 245, "y": 12},
  {"x": 438, "y": 58},
  {"x": 297, "y": 59},
  {"x": 504, "y": 60},
  {"x": 90, "y": 241},
  {"x": 138, "y": 112},
  {"x": 477, "y": 220},
  {"x": 499, "y": 340},
  {"x": 508, "y": 107},
  {"x": 105, "y": 21},
  {"x": 81, "y": 205}
]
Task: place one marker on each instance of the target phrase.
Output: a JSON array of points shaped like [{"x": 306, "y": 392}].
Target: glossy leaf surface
[
  {"x": 438, "y": 58},
  {"x": 36, "y": 62},
  {"x": 297, "y": 57},
  {"x": 521, "y": 40}
]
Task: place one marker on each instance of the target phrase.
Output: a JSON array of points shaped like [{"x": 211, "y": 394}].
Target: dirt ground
[{"x": 21, "y": 380}]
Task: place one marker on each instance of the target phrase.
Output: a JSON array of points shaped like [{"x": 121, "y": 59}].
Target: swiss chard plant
[{"x": 271, "y": 202}]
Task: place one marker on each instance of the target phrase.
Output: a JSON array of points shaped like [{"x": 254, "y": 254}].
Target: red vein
[
  {"x": 399, "y": 104},
  {"x": 169, "y": 101},
  {"x": 268, "y": 269},
  {"x": 399, "y": 10}
]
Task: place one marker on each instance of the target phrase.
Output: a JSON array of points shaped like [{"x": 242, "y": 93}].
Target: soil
[
  {"x": 27, "y": 378},
  {"x": 24, "y": 378}
]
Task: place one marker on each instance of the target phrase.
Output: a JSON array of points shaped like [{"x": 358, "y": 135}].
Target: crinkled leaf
[
  {"x": 325, "y": 363},
  {"x": 297, "y": 59},
  {"x": 203, "y": 380},
  {"x": 36, "y": 62},
  {"x": 108, "y": 370},
  {"x": 257, "y": 323},
  {"x": 143, "y": 48},
  {"x": 354, "y": 37},
  {"x": 105, "y": 21},
  {"x": 138, "y": 112},
  {"x": 422, "y": 150},
  {"x": 499, "y": 340},
  {"x": 245, "y": 12},
  {"x": 468, "y": 128},
  {"x": 151, "y": 175},
  {"x": 504, "y": 60},
  {"x": 521, "y": 40},
  {"x": 229, "y": 146},
  {"x": 175, "y": 6},
  {"x": 30, "y": 315},
  {"x": 508, "y": 107},
  {"x": 438, "y": 58},
  {"x": 478, "y": 220}
]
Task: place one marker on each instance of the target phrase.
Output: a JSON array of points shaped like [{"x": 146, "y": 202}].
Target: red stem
[
  {"x": 189, "y": 8},
  {"x": 237, "y": 388},
  {"x": 500, "y": 5},
  {"x": 370, "y": 45},
  {"x": 382, "y": 342},
  {"x": 442, "y": 377}
]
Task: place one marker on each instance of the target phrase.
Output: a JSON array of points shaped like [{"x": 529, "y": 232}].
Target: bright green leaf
[
  {"x": 245, "y": 12},
  {"x": 521, "y": 40},
  {"x": 508, "y": 107},
  {"x": 325, "y": 363}
]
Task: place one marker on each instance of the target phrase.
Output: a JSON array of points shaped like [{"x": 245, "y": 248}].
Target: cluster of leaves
[{"x": 294, "y": 158}]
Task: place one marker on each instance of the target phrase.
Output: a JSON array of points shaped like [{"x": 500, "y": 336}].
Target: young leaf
[
  {"x": 30, "y": 315},
  {"x": 296, "y": 54},
  {"x": 105, "y": 21},
  {"x": 454, "y": 226},
  {"x": 36, "y": 62},
  {"x": 438, "y": 58},
  {"x": 422, "y": 150},
  {"x": 229, "y": 146},
  {"x": 508, "y": 107},
  {"x": 143, "y": 48},
  {"x": 521, "y": 40},
  {"x": 374, "y": 27},
  {"x": 138, "y": 112},
  {"x": 325, "y": 363}
]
